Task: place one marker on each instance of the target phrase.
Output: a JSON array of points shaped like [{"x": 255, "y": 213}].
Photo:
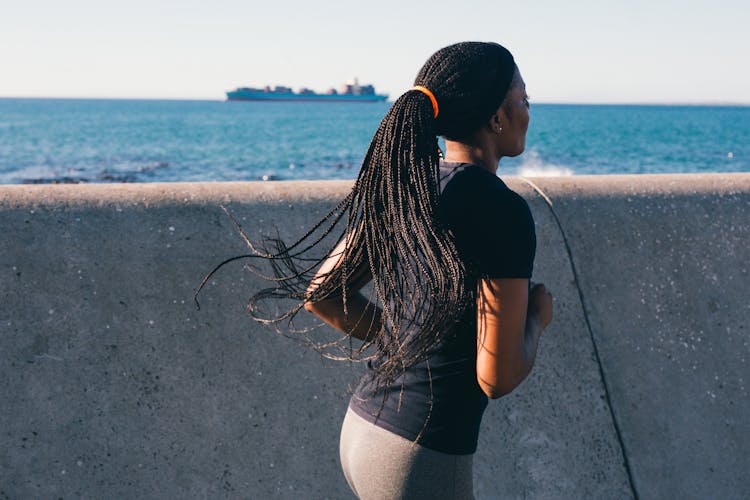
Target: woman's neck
[{"x": 478, "y": 155}]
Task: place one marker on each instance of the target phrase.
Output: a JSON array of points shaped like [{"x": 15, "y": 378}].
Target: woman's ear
[{"x": 497, "y": 120}]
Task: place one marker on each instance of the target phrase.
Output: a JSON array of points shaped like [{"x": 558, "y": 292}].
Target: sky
[{"x": 655, "y": 51}]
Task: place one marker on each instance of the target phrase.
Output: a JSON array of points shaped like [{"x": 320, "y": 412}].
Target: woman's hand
[{"x": 540, "y": 304}]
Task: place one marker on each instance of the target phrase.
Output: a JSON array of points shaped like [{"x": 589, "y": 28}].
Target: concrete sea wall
[{"x": 115, "y": 385}]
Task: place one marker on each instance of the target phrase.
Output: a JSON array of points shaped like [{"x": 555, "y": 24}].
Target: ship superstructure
[{"x": 350, "y": 91}]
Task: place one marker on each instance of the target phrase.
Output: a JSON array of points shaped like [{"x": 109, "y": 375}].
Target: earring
[{"x": 498, "y": 130}]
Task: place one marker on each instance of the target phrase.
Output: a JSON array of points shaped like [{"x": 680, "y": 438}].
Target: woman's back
[{"x": 438, "y": 403}]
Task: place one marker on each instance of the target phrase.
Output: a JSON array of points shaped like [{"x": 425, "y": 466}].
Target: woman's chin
[{"x": 518, "y": 151}]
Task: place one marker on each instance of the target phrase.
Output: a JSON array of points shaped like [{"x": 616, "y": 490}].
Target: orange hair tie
[{"x": 429, "y": 94}]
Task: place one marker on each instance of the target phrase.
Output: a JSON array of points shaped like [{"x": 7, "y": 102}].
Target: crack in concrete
[{"x": 573, "y": 269}]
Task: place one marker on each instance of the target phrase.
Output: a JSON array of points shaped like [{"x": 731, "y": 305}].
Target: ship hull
[{"x": 239, "y": 95}]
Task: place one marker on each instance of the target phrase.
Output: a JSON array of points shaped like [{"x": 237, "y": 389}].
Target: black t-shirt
[{"x": 494, "y": 233}]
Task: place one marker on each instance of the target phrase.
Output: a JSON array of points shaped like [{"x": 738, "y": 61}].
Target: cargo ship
[{"x": 350, "y": 92}]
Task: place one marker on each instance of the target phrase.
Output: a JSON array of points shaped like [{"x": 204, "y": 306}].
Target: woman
[{"x": 449, "y": 249}]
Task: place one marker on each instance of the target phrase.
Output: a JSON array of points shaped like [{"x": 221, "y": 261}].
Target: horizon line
[{"x": 206, "y": 99}]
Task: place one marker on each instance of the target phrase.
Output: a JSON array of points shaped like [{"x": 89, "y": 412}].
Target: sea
[{"x": 44, "y": 141}]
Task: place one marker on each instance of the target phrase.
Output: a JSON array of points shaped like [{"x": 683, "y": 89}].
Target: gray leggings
[{"x": 380, "y": 465}]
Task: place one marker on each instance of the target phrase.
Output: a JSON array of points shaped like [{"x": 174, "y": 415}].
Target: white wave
[{"x": 533, "y": 166}]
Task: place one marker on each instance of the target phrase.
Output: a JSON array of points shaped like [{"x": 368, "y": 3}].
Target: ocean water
[{"x": 68, "y": 140}]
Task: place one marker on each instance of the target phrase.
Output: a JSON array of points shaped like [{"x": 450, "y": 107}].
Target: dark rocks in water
[
  {"x": 105, "y": 175},
  {"x": 132, "y": 175},
  {"x": 56, "y": 180},
  {"x": 116, "y": 177}
]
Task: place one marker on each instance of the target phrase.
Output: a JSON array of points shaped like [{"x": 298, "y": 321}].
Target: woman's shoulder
[{"x": 468, "y": 184}]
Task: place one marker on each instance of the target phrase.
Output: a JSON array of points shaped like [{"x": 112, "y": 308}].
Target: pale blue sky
[{"x": 693, "y": 51}]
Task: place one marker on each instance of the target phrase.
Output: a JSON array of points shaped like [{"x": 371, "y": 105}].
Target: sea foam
[{"x": 532, "y": 165}]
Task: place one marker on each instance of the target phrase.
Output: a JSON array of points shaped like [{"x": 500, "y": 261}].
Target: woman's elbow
[
  {"x": 493, "y": 393},
  {"x": 497, "y": 379},
  {"x": 496, "y": 391},
  {"x": 323, "y": 309},
  {"x": 317, "y": 308}
]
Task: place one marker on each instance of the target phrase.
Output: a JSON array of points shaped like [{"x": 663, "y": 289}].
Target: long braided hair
[{"x": 391, "y": 222}]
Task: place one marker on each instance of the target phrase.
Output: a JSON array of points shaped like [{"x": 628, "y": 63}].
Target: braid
[{"x": 391, "y": 220}]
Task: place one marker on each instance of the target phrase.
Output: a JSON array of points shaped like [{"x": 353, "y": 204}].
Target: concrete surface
[
  {"x": 116, "y": 386},
  {"x": 663, "y": 265}
]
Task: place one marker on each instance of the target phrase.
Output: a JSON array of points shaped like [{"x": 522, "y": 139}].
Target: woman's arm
[
  {"x": 510, "y": 320},
  {"x": 363, "y": 318}
]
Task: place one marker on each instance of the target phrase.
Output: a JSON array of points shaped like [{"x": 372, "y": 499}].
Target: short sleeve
[{"x": 492, "y": 225}]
